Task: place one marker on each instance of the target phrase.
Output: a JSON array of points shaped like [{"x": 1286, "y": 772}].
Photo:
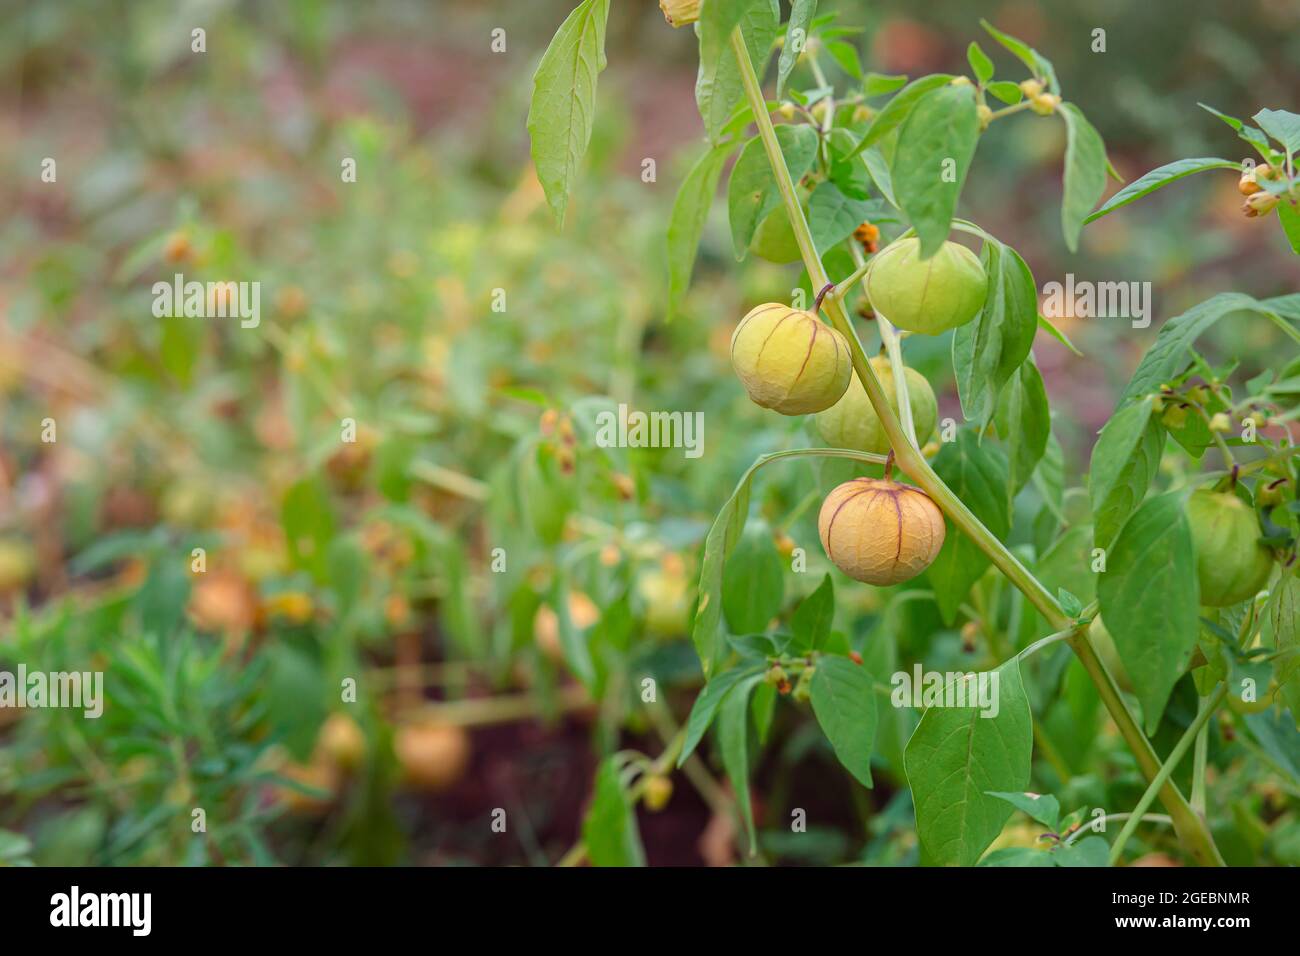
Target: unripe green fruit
[
  {"x": 880, "y": 531},
  {"x": 1231, "y": 564},
  {"x": 789, "y": 360},
  {"x": 928, "y": 296},
  {"x": 852, "y": 422}
]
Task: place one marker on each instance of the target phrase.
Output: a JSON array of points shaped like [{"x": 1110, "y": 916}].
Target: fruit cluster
[{"x": 875, "y": 530}]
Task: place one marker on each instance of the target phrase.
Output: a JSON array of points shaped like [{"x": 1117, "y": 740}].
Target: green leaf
[
  {"x": 733, "y": 742},
  {"x": 811, "y": 623},
  {"x": 1038, "y": 64},
  {"x": 980, "y": 63},
  {"x": 762, "y": 705},
  {"x": 852, "y": 177},
  {"x": 1085, "y": 172},
  {"x": 563, "y": 104},
  {"x": 1124, "y": 461},
  {"x": 1289, "y": 216},
  {"x": 1149, "y": 599},
  {"x": 1041, "y": 807},
  {"x": 987, "y": 351},
  {"x": 935, "y": 147},
  {"x": 955, "y": 757},
  {"x": 722, "y": 537},
  {"x": 573, "y": 645},
  {"x": 878, "y": 168},
  {"x": 1090, "y": 851},
  {"x": 690, "y": 212},
  {"x": 1283, "y": 615},
  {"x": 844, "y": 700},
  {"x": 1068, "y": 560},
  {"x": 1168, "y": 356},
  {"x": 609, "y": 830},
  {"x": 1283, "y": 126},
  {"x": 846, "y": 55},
  {"x": 1024, "y": 422},
  {"x": 13, "y": 846},
  {"x": 1070, "y": 604},
  {"x": 796, "y": 36},
  {"x": 308, "y": 527},
  {"x": 752, "y": 192},
  {"x": 978, "y": 474},
  {"x": 1020, "y": 856},
  {"x": 832, "y": 215},
  {"x": 718, "y": 87},
  {"x": 893, "y": 113},
  {"x": 716, "y": 21},
  {"x": 1045, "y": 323},
  {"x": 710, "y": 699},
  {"x": 1157, "y": 178},
  {"x": 1049, "y": 476},
  {"x": 753, "y": 582},
  {"x": 1250, "y": 134},
  {"x": 878, "y": 84},
  {"x": 1006, "y": 91}
]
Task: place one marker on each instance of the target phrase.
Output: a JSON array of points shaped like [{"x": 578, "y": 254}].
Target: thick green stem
[
  {"x": 1191, "y": 828},
  {"x": 1166, "y": 770}
]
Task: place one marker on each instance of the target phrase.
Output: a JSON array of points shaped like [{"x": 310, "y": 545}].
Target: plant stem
[
  {"x": 1198, "y": 767},
  {"x": 1175, "y": 756},
  {"x": 843, "y": 287},
  {"x": 1191, "y": 828},
  {"x": 1092, "y": 827},
  {"x": 1009, "y": 110}
]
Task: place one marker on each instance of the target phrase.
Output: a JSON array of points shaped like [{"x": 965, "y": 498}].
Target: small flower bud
[
  {"x": 178, "y": 247},
  {"x": 1220, "y": 422},
  {"x": 959, "y": 81},
  {"x": 625, "y": 486},
  {"x": 985, "y": 116},
  {"x": 803, "y": 689},
  {"x": 1045, "y": 104},
  {"x": 1030, "y": 88},
  {"x": 1259, "y": 204},
  {"x": 548, "y": 421},
  {"x": 658, "y": 791}
]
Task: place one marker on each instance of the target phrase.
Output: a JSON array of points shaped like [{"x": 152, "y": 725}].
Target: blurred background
[{"x": 329, "y": 562}]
